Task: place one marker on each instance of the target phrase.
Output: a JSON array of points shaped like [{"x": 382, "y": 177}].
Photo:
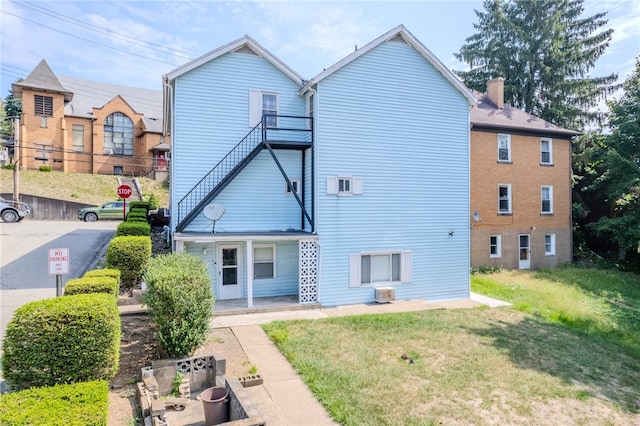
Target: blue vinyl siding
[
  {"x": 256, "y": 200},
  {"x": 405, "y": 130},
  {"x": 211, "y": 112}
]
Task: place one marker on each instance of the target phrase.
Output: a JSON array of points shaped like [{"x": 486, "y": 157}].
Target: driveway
[{"x": 24, "y": 261}]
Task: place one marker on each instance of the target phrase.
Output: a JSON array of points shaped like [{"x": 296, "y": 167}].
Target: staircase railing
[{"x": 221, "y": 170}]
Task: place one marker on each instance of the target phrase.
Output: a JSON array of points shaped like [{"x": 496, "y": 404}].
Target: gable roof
[
  {"x": 240, "y": 44},
  {"x": 42, "y": 78},
  {"x": 487, "y": 116},
  {"x": 406, "y": 36}
]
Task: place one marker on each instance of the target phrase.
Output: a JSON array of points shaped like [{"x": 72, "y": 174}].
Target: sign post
[
  {"x": 124, "y": 191},
  {"x": 58, "y": 265}
]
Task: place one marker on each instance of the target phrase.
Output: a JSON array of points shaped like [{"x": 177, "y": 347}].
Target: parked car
[
  {"x": 159, "y": 217},
  {"x": 13, "y": 211},
  {"x": 110, "y": 210}
]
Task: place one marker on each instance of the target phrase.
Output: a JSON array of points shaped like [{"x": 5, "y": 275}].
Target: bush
[
  {"x": 153, "y": 202},
  {"x": 78, "y": 404},
  {"x": 62, "y": 340},
  {"x": 9, "y": 166},
  {"x": 137, "y": 211},
  {"x": 129, "y": 254},
  {"x": 180, "y": 301},
  {"x": 86, "y": 285},
  {"x": 113, "y": 273},
  {"x": 139, "y": 205},
  {"x": 44, "y": 168},
  {"x": 133, "y": 227}
]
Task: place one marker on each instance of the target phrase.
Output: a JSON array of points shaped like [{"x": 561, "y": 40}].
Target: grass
[
  {"x": 562, "y": 355},
  {"x": 78, "y": 187}
]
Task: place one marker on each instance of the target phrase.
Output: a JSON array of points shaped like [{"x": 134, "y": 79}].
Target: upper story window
[
  {"x": 270, "y": 109},
  {"x": 118, "y": 135},
  {"x": 43, "y": 106},
  {"x": 546, "y": 156},
  {"x": 263, "y": 104},
  {"x": 78, "y": 138},
  {"x": 546, "y": 195},
  {"x": 504, "y": 199},
  {"x": 504, "y": 148}
]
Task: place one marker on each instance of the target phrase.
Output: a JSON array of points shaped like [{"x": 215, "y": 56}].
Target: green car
[{"x": 111, "y": 210}]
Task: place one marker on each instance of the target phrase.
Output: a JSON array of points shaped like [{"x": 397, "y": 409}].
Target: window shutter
[
  {"x": 354, "y": 268},
  {"x": 358, "y": 185},
  {"x": 255, "y": 107},
  {"x": 406, "y": 267},
  {"x": 332, "y": 185}
]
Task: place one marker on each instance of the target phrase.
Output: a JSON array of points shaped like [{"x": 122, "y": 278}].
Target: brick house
[
  {"x": 520, "y": 186},
  {"x": 81, "y": 126}
]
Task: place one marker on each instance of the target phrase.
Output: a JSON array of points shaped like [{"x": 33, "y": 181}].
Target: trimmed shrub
[
  {"x": 153, "y": 202},
  {"x": 78, "y": 404},
  {"x": 139, "y": 205},
  {"x": 138, "y": 212},
  {"x": 180, "y": 301},
  {"x": 62, "y": 340},
  {"x": 45, "y": 168},
  {"x": 9, "y": 166},
  {"x": 135, "y": 227},
  {"x": 113, "y": 273},
  {"x": 130, "y": 255},
  {"x": 86, "y": 285}
]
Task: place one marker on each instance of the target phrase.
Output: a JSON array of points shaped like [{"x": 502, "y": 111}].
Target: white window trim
[
  {"x": 552, "y": 252},
  {"x": 356, "y": 185},
  {"x": 550, "y": 151},
  {"x": 296, "y": 183},
  {"x": 273, "y": 252},
  {"x": 550, "y": 188},
  {"x": 255, "y": 106},
  {"x": 498, "y": 246},
  {"x": 508, "y": 160},
  {"x": 508, "y": 186},
  {"x": 405, "y": 268}
]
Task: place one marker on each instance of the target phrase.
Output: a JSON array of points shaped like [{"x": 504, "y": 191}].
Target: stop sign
[{"x": 124, "y": 191}]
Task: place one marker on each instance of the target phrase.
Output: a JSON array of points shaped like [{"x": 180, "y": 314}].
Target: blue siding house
[{"x": 328, "y": 188}]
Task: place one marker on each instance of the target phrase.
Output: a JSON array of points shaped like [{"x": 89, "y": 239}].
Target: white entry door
[
  {"x": 229, "y": 282},
  {"x": 524, "y": 251}
]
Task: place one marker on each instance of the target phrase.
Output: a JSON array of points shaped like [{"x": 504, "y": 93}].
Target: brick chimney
[{"x": 495, "y": 91}]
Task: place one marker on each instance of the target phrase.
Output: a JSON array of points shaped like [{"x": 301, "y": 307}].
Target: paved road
[{"x": 24, "y": 250}]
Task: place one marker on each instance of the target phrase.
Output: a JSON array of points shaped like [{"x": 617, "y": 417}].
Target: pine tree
[{"x": 544, "y": 50}]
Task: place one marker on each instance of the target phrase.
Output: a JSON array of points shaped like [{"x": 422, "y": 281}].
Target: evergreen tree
[{"x": 544, "y": 50}]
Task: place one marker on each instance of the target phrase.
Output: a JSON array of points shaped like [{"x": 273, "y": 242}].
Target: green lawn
[{"x": 566, "y": 353}]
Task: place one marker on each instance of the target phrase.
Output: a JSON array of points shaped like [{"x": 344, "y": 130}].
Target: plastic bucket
[{"x": 216, "y": 405}]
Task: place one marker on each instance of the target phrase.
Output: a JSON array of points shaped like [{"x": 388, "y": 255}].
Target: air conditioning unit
[{"x": 385, "y": 294}]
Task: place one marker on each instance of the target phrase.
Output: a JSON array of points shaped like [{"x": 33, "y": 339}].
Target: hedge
[
  {"x": 78, "y": 404},
  {"x": 134, "y": 228},
  {"x": 84, "y": 285},
  {"x": 130, "y": 255},
  {"x": 140, "y": 204},
  {"x": 62, "y": 340},
  {"x": 180, "y": 301},
  {"x": 106, "y": 272}
]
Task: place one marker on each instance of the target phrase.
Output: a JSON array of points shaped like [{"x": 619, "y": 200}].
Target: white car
[{"x": 13, "y": 211}]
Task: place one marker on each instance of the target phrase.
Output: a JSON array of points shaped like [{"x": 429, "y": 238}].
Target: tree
[
  {"x": 544, "y": 50},
  {"x": 616, "y": 171},
  {"x": 11, "y": 107}
]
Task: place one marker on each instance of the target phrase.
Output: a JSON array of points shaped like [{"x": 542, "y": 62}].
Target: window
[
  {"x": 504, "y": 148},
  {"x": 264, "y": 262},
  {"x": 546, "y": 195},
  {"x": 78, "y": 138},
  {"x": 545, "y": 151},
  {"x": 344, "y": 185},
  {"x": 392, "y": 267},
  {"x": 270, "y": 109},
  {"x": 43, "y": 106},
  {"x": 118, "y": 135},
  {"x": 550, "y": 244},
  {"x": 504, "y": 199},
  {"x": 495, "y": 246},
  {"x": 43, "y": 152},
  {"x": 296, "y": 187}
]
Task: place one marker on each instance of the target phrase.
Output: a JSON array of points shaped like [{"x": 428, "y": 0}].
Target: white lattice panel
[{"x": 308, "y": 263}]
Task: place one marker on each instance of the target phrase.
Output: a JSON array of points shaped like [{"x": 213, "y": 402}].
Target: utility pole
[{"x": 16, "y": 164}]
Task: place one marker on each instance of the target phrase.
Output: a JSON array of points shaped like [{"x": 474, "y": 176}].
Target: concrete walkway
[{"x": 284, "y": 399}]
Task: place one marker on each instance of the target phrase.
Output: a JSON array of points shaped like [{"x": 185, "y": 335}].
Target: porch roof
[{"x": 207, "y": 237}]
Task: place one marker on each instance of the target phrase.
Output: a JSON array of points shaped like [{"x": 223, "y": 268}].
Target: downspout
[{"x": 314, "y": 214}]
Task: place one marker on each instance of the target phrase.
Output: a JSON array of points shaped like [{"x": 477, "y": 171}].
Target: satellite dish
[
  {"x": 476, "y": 216},
  {"x": 213, "y": 212}
]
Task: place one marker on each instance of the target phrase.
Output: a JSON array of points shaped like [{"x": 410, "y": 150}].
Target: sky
[{"x": 133, "y": 43}]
